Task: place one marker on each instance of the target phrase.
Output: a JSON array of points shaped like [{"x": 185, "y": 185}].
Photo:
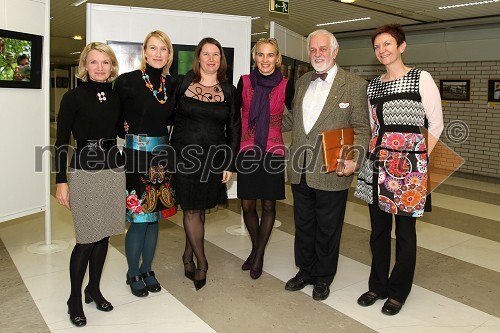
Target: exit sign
[{"x": 278, "y": 6}]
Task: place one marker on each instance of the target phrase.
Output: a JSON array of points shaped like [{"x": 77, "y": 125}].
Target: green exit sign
[{"x": 278, "y": 6}]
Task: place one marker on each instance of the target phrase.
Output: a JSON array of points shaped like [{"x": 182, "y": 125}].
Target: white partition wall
[
  {"x": 24, "y": 120},
  {"x": 291, "y": 43},
  {"x": 132, "y": 24}
]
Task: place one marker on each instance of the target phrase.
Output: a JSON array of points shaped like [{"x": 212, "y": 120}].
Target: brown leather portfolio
[{"x": 337, "y": 144}]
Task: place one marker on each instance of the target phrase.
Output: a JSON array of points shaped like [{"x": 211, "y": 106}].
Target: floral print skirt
[{"x": 150, "y": 196}]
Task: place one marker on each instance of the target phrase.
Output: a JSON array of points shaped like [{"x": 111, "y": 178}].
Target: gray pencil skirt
[{"x": 97, "y": 201}]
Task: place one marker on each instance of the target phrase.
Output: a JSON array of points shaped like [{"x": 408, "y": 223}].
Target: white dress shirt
[{"x": 315, "y": 98}]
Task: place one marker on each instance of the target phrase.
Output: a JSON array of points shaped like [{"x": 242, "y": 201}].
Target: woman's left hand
[
  {"x": 226, "y": 176},
  {"x": 349, "y": 168}
]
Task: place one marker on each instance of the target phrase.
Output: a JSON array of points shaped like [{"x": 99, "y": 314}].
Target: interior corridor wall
[
  {"x": 24, "y": 119},
  {"x": 132, "y": 24}
]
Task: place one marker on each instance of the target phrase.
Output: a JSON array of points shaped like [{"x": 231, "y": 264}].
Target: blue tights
[{"x": 140, "y": 242}]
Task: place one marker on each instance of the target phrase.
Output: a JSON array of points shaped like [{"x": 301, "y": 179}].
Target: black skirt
[
  {"x": 198, "y": 180},
  {"x": 260, "y": 176}
]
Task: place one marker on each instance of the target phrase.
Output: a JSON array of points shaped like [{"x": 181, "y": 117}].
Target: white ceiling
[{"x": 302, "y": 18}]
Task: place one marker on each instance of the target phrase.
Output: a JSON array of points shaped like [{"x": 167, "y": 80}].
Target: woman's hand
[
  {"x": 125, "y": 126},
  {"x": 226, "y": 176},
  {"x": 62, "y": 194}
]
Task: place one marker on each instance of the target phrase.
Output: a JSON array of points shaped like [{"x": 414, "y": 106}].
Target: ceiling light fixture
[
  {"x": 347, "y": 1},
  {"x": 78, "y": 3},
  {"x": 259, "y": 33},
  {"x": 469, "y": 4},
  {"x": 256, "y": 17},
  {"x": 345, "y": 21},
  {"x": 77, "y": 37},
  {"x": 77, "y": 52}
]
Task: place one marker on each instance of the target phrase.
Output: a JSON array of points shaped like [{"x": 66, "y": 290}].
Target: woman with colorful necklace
[{"x": 146, "y": 96}]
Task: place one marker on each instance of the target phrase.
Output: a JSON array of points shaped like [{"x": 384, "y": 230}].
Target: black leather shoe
[
  {"x": 321, "y": 291},
  {"x": 78, "y": 319},
  {"x": 198, "y": 284},
  {"x": 188, "y": 274},
  {"x": 102, "y": 305},
  {"x": 391, "y": 307},
  {"x": 369, "y": 298},
  {"x": 155, "y": 287},
  {"x": 143, "y": 292},
  {"x": 296, "y": 283}
]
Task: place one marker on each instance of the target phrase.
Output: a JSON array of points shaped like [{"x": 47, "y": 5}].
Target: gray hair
[{"x": 333, "y": 41}]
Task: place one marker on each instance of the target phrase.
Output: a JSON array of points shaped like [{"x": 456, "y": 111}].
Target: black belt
[{"x": 102, "y": 144}]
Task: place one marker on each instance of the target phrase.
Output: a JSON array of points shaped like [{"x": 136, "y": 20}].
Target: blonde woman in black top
[{"x": 96, "y": 176}]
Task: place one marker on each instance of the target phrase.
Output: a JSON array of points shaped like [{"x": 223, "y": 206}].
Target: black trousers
[
  {"x": 398, "y": 283},
  {"x": 319, "y": 217}
]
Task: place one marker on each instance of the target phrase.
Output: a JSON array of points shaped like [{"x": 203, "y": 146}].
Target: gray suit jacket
[{"x": 345, "y": 106}]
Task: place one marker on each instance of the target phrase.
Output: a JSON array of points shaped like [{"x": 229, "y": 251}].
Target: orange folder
[{"x": 337, "y": 144}]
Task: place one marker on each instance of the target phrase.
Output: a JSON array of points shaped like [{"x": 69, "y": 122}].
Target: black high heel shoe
[
  {"x": 143, "y": 292},
  {"x": 188, "y": 274},
  {"x": 198, "y": 284},
  {"x": 155, "y": 287},
  {"x": 103, "y": 304},
  {"x": 78, "y": 319}
]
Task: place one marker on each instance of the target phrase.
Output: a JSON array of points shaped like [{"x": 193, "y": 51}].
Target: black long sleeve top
[
  {"x": 88, "y": 118},
  {"x": 143, "y": 113}
]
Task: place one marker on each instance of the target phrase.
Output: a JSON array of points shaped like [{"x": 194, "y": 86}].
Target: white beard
[{"x": 321, "y": 66}]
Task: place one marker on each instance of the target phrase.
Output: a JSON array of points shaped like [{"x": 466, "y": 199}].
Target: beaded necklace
[{"x": 149, "y": 85}]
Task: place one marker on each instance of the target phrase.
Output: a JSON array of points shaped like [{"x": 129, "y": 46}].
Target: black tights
[
  {"x": 93, "y": 255},
  {"x": 194, "y": 227},
  {"x": 259, "y": 234}
]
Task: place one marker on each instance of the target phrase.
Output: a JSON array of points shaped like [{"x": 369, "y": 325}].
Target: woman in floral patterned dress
[
  {"x": 393, "y": 177},
  {"x": 146, "y": 96}
]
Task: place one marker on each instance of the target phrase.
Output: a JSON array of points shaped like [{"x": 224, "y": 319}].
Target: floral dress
[{"x": 394, "y": 172}]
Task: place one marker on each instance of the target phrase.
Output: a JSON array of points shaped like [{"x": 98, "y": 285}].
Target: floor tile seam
[{"x": 469, "y": 238}]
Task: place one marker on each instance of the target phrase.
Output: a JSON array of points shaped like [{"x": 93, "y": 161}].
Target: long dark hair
[{"x": 221, "y": 72}]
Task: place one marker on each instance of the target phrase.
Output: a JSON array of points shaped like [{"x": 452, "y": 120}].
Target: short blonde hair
[
  {"x": 271, "y": 41},
  {"x": 165, "y": 40},
  {"x": 101, "y": 47}
]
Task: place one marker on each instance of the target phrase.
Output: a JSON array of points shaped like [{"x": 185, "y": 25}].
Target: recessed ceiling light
[
  {"x": 344, "y": 21},
  {"x": 77, "y": 37},
  {"x": 259, "y": 33},
  {"x": 255, "y": 17},
  {"x": 469, "y": 4},
  {"x": 77, "y": 52},
  {"x": 78, "y": 3},
  {"x": 347, "y": 1}
]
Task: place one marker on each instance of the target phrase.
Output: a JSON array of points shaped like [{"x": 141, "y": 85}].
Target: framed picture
[
  {"x": 455, "y": 90},
  {"x": 494, "y": 90},
  {"x": 20, "y": 60}
]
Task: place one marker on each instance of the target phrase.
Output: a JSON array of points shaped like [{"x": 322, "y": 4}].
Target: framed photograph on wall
[
  {"x": 455, "y": 90},
  {"x": 20, "y": 60},
  {"x": 494, "y": 90},
  {"x": 128, "y": 54}
]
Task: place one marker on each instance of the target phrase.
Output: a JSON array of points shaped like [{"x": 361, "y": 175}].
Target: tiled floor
[{"x": 456, "y": 287}]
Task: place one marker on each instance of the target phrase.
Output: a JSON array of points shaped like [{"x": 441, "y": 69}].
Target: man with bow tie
[{"x": 325, "y": 99}]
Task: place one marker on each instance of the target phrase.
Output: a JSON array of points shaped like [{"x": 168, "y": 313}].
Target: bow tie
[{"x": 322, "y": 76}]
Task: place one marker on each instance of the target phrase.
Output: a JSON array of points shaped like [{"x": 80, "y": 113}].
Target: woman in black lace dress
[{"x": 206, "y": 139}]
